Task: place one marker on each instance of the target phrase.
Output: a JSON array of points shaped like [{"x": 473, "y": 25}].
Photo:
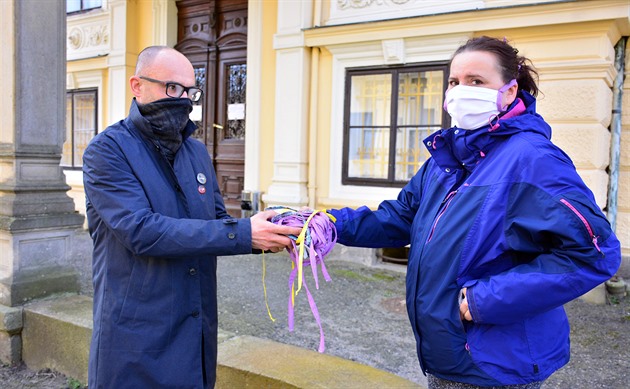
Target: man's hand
[
  {"x": 268, "y": 236},
  {"x": 464, "y": 313}
]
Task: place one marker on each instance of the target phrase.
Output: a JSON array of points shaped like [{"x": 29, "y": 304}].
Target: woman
[{"x": 502, "y": 229}]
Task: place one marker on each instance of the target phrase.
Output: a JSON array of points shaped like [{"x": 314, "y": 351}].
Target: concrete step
[{"x": 57, "y": 332}]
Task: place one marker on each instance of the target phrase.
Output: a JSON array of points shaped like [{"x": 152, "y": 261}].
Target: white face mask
[{"x": 472, "y": 107}]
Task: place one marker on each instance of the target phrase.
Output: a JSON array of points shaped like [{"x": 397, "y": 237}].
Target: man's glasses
[{"x": 174, "y": 89}]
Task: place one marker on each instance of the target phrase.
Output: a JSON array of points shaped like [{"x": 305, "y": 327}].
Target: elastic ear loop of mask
[{"x": 313, "y": 256}]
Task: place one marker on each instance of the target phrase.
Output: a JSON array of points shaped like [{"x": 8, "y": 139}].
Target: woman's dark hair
[{"x": 512, "y": 65}]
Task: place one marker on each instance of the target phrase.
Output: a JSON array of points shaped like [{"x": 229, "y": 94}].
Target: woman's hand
[{"x": 464, "y": 313}]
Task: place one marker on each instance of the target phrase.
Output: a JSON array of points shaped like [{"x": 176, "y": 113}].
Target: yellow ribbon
[{"x": 299, "y": 241}]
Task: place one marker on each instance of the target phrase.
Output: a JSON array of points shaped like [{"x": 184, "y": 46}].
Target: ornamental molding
[
  {"x": 89, "y": 37},
  {"x": 357, "y": 11},
  {"x": 345, "y": 4},
  {"x": 393, "y": 51}
]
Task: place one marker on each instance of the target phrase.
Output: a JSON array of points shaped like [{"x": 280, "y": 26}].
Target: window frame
[
  {"x": 82, "y": 8},
  {"x": 72, "y": 93},
  {"x": 393, "y": 125}
]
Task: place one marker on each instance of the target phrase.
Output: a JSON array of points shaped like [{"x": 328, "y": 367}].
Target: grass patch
[
  {"x": 384, "y": 277},
  {"x": 364, "y": 276},
  {"x": 351, "y": 275}
]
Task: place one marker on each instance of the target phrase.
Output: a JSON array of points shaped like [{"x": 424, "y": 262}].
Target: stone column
[{"x": 38, "y": 221}]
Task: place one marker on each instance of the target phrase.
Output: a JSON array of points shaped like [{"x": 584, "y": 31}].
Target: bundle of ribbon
[{"x": 316, "y": 240}]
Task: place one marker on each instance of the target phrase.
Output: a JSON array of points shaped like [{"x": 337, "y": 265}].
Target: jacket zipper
[
  {"x": 585, "y": 222},
  {"x": 446, "y": 202}
]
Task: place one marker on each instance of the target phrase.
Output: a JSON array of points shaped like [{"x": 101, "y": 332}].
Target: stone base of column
[{"x": 35, "y": 264}]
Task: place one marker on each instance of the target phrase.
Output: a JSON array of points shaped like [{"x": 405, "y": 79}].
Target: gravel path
[{"x": 364, "y": 319}]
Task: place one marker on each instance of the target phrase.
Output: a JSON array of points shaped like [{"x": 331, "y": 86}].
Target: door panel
[{"x": 213, "y": 35}]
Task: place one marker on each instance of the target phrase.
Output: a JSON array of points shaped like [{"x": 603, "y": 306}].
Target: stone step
[
  {"x": 56, "y": 334},
  {"x": 250, "y": 362}
]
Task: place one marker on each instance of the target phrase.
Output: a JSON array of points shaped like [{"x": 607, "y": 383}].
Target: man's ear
[{"x": 134, "y": 84}]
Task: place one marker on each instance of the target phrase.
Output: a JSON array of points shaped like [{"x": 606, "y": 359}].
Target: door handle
[{"x": 220, "y": 127}]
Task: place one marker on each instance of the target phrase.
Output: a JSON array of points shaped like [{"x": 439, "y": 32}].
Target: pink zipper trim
[
  {"x": 447, "y": 200},
  {"x": 584, "y": 221}
]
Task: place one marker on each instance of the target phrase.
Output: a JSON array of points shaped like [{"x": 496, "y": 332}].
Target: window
[
  {"x": 388, "y": 113},
  {"x": 75, "y": 6},
  {"x": 81, "y": 119}
]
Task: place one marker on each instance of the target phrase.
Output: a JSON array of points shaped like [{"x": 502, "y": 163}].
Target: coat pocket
[
  {"x": 501, "y": 351},
  {"x": 146, "y": 314}
]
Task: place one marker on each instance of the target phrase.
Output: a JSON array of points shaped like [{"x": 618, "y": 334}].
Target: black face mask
[{"x": 168, "y": 118}]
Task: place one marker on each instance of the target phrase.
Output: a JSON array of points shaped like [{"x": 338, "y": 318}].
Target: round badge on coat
[
  {"x": 201, "y": 189},
  {"x": 201, "y": 178}
]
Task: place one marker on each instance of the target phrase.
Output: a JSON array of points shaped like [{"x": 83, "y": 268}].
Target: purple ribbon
[{"x": 319, "y": 240}]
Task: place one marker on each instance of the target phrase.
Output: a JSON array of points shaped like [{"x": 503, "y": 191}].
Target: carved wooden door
[{"x": 213, "y": 35}]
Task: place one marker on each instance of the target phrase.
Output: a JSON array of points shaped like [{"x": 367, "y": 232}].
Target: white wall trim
[{"x": 254, "y": 96}]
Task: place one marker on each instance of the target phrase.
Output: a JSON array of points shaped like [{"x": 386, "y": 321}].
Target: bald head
[{"x": 160, "y": 63}]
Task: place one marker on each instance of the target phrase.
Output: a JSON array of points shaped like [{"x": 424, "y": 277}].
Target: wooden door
[{"x": 213, "y": 35}]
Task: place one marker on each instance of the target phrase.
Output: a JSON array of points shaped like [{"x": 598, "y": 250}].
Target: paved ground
[{"x": 364, "y": 319}]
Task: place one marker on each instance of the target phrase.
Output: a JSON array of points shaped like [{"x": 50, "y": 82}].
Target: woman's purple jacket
[{"x": 501, "y": 211}]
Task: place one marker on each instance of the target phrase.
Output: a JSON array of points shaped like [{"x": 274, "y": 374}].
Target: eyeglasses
[{"x": 174, "y": 89}]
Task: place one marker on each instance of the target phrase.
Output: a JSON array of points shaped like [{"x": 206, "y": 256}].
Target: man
[{"x": 158, "y": 222}]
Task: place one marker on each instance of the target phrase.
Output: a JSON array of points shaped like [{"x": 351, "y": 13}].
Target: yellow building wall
[
  {"x": 268, "y": 95},
  {"x": 323, "y": 128},
  {"x": 139, "y": 25}
]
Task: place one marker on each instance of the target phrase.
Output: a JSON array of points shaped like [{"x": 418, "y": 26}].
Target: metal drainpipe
[{"x": 615, "y": 131}]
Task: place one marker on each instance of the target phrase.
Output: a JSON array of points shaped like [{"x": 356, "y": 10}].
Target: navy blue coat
[
  {"x": 157, "y": 230},
  {"x": 503, "y": 212}
]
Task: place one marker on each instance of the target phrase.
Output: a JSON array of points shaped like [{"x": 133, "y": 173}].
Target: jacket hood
[{"x": 454, "y": 148}]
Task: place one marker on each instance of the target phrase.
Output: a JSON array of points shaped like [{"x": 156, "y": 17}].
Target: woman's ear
[{"x": 510, "y": 95}]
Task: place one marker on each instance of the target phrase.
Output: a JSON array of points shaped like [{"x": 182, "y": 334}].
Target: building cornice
[{"x": 518, "y": 16}]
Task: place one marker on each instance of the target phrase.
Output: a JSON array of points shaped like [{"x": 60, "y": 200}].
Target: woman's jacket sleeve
[{"x": 388, "y": 226}]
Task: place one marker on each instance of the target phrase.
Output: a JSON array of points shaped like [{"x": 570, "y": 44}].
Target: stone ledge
[
  {"x": 57, "y": 333},
  {"x": 250, "y": 362}
]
